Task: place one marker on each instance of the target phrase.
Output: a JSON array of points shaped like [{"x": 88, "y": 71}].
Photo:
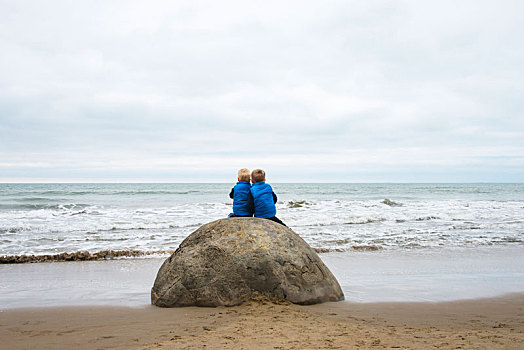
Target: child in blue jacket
[
  {"x": 241, "y": 195},
  {"x": 264, "y": 198}
]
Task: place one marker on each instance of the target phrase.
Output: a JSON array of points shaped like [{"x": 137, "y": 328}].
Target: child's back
[
  {"x": 264, "y": 198},
  {"x": 241, "y": 195}
]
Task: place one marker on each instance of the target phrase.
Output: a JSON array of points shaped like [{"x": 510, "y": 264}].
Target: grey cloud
[{"x": 210, "y": 79}]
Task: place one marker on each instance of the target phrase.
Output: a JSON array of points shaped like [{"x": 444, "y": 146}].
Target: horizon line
[{"x": 229, "y": 182}]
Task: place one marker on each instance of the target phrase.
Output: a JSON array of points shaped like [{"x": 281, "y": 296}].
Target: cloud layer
[{"x": 311, "y": 91}]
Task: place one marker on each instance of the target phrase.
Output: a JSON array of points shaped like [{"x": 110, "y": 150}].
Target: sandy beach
[
  {"x": 408, "y": 300},
  {"x": 495, "y": 323}
]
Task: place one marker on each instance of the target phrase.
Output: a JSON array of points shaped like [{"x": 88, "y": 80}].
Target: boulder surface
[{"x": 228, "y": 261}]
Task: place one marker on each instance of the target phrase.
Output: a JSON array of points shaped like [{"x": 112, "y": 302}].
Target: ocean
[
  {"x": 383, "y": 242},
  {"x": 38, "y": 219}
]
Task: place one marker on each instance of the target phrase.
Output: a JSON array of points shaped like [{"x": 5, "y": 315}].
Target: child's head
[
  {"x": 258, "y": 175},
  {"x": 243, "y": 174}
]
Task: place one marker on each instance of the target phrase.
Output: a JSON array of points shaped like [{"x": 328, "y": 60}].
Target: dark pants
[
  {"x": 239, "y": 216},
  {"x": 274, "y": 218},
  {"x": 277, "y": 220}
]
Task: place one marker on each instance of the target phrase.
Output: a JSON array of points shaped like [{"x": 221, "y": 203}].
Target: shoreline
[
  {"x": 479, "y": 323},
  {"x": 408, "y": 299},
  {"x": 380, "y": 276},
  {"x": 365, "y": 276}
]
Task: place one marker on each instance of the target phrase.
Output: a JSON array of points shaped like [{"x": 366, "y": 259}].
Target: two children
[{"x": 257, "y": 199}]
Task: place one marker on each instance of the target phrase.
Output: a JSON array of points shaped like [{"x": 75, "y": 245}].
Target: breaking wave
[
  {"x": 38, "y": 206},
  {"x": 50, "y": 219}
]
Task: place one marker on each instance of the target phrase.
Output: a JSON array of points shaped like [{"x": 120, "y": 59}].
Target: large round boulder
[{"x": 228, "y": 261}]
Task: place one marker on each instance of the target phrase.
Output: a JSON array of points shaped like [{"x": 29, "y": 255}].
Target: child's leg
[{"x": 277, "y": 220}]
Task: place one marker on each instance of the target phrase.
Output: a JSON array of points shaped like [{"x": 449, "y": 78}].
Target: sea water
[
  {"x": 55, "y": 218},
  {"x": 383, "y": 242}
]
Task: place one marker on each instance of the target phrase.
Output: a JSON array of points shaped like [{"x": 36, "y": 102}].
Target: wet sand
[
  {"x": 494, "y": 323},
  {"x": 41, "y": 306},
  {"x": 407, "y": 276}
]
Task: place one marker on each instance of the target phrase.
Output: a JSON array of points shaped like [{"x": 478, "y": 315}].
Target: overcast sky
[{"x": 349, "y": 91}]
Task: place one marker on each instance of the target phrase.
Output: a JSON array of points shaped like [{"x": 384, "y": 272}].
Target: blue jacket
[
  {"x": 264, "y": 200},
  {"x": 242, "y": 200}
]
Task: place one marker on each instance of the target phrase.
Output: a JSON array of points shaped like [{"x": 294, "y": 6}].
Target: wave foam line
[{"x": 80, "y": 256}]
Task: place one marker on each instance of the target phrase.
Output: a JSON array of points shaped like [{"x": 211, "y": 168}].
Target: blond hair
[
  {"x": 243, "y": 175},
  {"x": 258, "y": 175}
]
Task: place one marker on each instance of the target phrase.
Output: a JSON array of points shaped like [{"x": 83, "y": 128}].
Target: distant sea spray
[{"x": 137, "y": 220}]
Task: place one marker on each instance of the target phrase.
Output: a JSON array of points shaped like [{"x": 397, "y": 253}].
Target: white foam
[{"x": 328, "y": 220}]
